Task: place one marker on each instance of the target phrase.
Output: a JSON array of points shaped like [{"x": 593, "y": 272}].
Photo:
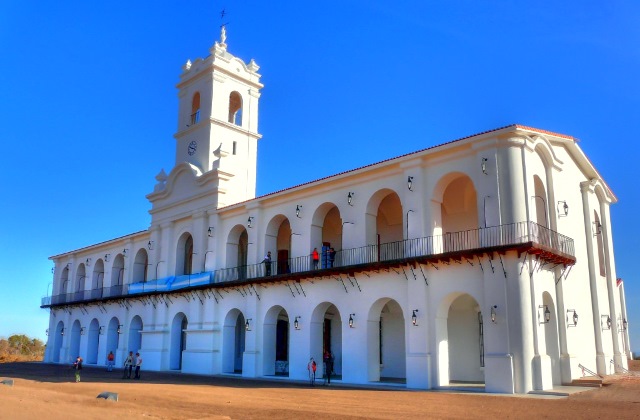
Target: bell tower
[{"x": 218, "y": 120}]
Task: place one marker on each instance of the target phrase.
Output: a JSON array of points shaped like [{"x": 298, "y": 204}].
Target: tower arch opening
[
  {"x": 195, "y": 108},
  {"x": 235, "y": 108}
]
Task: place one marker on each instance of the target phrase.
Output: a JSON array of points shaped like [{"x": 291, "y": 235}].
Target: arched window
[
  {"x": 184, "y": 255},
  {"x": 140, "y": 266},
  {"x": 195, "y": 108},
  {"x": 188, "y": 255},
  {"x": 235, "y": 108}
]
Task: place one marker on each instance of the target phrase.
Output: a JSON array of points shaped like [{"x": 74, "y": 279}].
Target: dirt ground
[{"x": 43, "y": 391}]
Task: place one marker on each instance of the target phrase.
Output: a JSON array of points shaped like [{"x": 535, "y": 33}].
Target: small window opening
[
  {"x": 235, "y": 108},
  {"x": 195, "y": 109},
  {"x": 235, "y": 147}
]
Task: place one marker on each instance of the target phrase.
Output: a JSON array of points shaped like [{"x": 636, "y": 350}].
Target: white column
[
  {"x": 586, "y": 188},
  {"x": 611, "y": 278}
]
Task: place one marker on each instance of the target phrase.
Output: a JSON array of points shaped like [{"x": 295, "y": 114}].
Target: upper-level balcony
[{"x": 521, "y": 237}]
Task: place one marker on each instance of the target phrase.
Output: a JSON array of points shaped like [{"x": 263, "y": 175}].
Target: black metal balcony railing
[{"x": 550, "y": 244}]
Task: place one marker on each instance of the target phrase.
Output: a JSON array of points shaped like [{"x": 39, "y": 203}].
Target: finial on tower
[{"x": 223, "y": 31}]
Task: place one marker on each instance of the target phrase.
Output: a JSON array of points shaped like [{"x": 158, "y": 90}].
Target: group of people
[
  {"x": 331, "y": 257},
  {"x": 129, "y": 363},
  {"x": 312, "y": 366},
  {"x": 315, "y": 257}
]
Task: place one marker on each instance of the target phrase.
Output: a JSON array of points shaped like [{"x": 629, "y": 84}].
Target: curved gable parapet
[
  {"x": 184, "y": 172},
  {"x": 601, "y": 190},
  {"x": 542, "y": 146}
]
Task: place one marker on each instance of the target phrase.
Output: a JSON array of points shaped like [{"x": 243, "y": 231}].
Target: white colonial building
[{"x": 485, "y": 260}]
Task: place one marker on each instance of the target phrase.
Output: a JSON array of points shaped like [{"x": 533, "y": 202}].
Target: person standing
[
  {"x": 332, "y": 256},
  {"x": 267, "y": 263},
  {"x": 138, "y": 364},
  {"x": 311, "y": 367},
  {"x": 128, "y": 366},
  {"x": 315, "y": 257},
  {"x": 77, "y": 366},
  {"x": 325, "y": 367},
  {"x": 110, "y": 361}
]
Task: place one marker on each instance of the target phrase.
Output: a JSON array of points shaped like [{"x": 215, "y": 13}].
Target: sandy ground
[{"x": 42, "y": 391}]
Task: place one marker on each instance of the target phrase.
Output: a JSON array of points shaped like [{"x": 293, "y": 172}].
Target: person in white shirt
[{"x": 138, "y": 364}]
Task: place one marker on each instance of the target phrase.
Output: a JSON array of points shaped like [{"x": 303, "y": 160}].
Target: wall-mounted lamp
[
  {"x": 350, "y": 198},
  {"x": 563, "y": 208},
  {"x": 88, "y": 261},
  {"x": 546, "y": 314},
  {"x": 414, "y": 318},
  {"x": 210, "y": 232},
  {"x": 53, "y": 270},
  {"x": 410, "y": 183},
  {"x": 150, "y": 245},
  {"x": 605, "y": 322},
  {"x": 250, "y": 221},
  {"x": 624, "y": 324},
  {"x": 296, "y": 323},
  {"x": 101, "y": 330},
  {"x": 493, "y": 313},
  {"x": 247, "y": 325},
  {"x": 119, "y": 330},
  {"x": 47, "y": 332},
  {"x": 574, "y": 317},
  {"x": 597, "y": 227},
  {"x": 83, "y": 330},
  {"x": 62, "y": 332},
  {"x": 483, "y": 165},
  {"x": 106, "y": 257},
  {"x": 298, "y": 209},
  {"x": 124, "y": 252},
  {"x": 351, "y": 320}
]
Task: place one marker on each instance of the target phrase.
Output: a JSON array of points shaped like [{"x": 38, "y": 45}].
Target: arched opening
[
  {"x": 179, "y": 327},
  {"x": 326, "y": 233},
  {"x": 140, "y": 266},
  {"x": 113, "y": 337},
  {"x": 460, "y": 337},
  {"x": 184, "y": 255},
  {"x": 93, "y": 338},
  {"x": 551, "y": 338},
  {"x": 235, "y": 108},
  {"x": 326, "y": 339},
  {"x": 275, "y": 335},
  {"x": 237, "y": 251},
  {"x": 74, "y": 342},
  {"x": 195, "y": 108},
  {"x": 64, "y": 281},
  {"x": 458, "y": 211},
  {"x": 117, "y": 276},
  {"x": 80, "y": 283},
  {"x": 57, "y": 341},
  {"x": 384, "y": 225},
  {"x": 97, "y": 280},
  {"x": 233, "y": 342},
  {"x": 135, "y": 334},
  {"x": 278, "y": 239},
  {"x": 386, "y": 342},
  {"x": 539, "y": 203}
]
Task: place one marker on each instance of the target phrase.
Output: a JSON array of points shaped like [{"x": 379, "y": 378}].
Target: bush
[{"x": 19, "y": 347}]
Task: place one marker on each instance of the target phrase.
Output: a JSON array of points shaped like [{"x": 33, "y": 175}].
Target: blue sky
[{"x": 88, "y": 104}]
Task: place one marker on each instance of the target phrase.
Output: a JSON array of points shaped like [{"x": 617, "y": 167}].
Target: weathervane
[{"x": 223, "y": 29}]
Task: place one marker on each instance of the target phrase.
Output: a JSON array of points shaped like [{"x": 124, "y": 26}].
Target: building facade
[{"x": 485, "y": 260}]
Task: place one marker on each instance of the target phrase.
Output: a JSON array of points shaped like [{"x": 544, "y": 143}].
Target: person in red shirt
[{"x": 315, "y": 257}]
